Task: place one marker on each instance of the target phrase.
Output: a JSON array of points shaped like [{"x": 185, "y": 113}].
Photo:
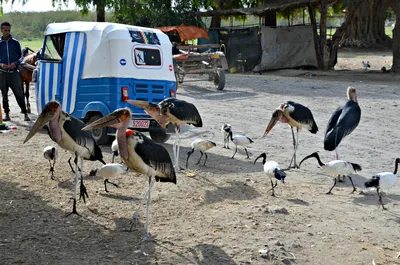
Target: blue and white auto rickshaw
[{"x": 92, "y": 68}]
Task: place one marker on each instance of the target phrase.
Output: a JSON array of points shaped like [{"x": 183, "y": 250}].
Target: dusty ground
[{"x": 225, "y": 214}]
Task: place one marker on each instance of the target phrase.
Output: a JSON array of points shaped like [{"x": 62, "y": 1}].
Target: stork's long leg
[
  {"x": 135, "y": 215},
  {"x": 330, "y": 191},
  {"x": 380, "y": 199},
  {"x": 112, "y": 159},
  {"x": 75, "y": 161},
  {"x": 354, "y": 188},
  {"x": 75, "y": 187},
  {"x": 198, "y": 162},
  {"x": 295, "y": 144},
  {"x": 147, "y": 235},
  {"x": 338, "y": 158}
]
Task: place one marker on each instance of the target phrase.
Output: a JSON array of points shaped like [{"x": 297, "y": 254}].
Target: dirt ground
[{"x": 225, "y": 214}]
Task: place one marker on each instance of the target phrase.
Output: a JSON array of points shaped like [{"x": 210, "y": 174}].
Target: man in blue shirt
[{"x": 10, "y": 55}]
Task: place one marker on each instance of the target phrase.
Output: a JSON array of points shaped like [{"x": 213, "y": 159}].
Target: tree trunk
[
  {"x": 396, "y": 37},
  {"x": 311, "y": 11},
  {"x": 322, "y": 35},
  {"x": 100, "y": 11},
  {"x": 338, "y": 36},
  {"x": 215, "y": 21},
  {"x": 367, "y": 27}
]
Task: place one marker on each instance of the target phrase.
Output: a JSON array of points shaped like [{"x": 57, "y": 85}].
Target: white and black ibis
[
  {"x": 366, "y": 65},
  {"x": 240, "y": 140},
  {"x": 342, "y": 122},
  {"x": 295, "y": 115},
  {"x": 109, "y": 170},
  {"x": 384, "y": 180},
  {"x": 273, "y": 171},
  {"x": 139, "y": 153},
  {"x": 114, "y": 149},
  {"x": 51, "y": 154},
  {"x": 336, "y": 168},
  {"x": 225, "y": 129},
  {"x": 171, "y": 110},
  {"x": 202, "y": 146},
  {"x": 66, "y": 131}
]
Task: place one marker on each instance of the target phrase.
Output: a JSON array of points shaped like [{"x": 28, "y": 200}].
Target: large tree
[{"x": 395, "y": 5}]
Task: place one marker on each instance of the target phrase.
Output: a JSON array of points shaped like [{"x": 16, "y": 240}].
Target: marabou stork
[
  {"x": 336, "y": 167},
  {"x": 139, "y": 153},
  {"x": 202, "y": 146},
  {"x": 171, "y": 110},
  {"x": 51, "y": 154},
  {"x": 109, "y": 170},
  {"x": 295, "y": 115},
  {"x": 240, "y": 140},
  {"x": 384, "y": 180},
  {"x": 342, "y": 122},
  {"x": 272, "y": 169},
  {"x": 225, "y": 129},
  {"x": 114, "y": 149},
  {"x": 66, "y": 131}
]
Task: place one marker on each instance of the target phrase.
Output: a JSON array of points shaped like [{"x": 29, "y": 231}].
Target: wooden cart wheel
[{"x": 219, "y": 79}]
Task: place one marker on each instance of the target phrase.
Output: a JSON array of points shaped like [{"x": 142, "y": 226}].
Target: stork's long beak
[
  {"x": 272, "y": 122},
  {"x": 109, "y": 120},
  {"x": 151, "y": 109},
  {"x": 44, "y": 117}
]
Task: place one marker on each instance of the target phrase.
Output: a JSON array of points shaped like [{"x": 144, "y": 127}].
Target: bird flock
[{"x": 143, "y": 156}]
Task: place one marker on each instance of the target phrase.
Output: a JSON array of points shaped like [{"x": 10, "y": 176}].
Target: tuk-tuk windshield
[{"x": 54, "y": 47}]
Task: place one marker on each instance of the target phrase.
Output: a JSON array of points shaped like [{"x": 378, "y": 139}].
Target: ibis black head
[
  {"x": 93, "y": 172},
  {"x": 316, "y": 155},
  {"x": 280, "y": 175},
  {"x": 263, "y": 156},
  {"x": 372, "y": 183}
]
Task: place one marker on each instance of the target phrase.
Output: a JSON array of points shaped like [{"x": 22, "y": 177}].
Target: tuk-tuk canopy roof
[{"x": 109, "y": 49}]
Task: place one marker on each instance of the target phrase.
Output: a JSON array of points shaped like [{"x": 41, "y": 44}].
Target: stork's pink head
[{"x": 352, "y": 94}]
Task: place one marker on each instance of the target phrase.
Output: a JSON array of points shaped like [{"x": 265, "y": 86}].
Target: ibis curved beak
[
  {"x": 45, "y": 116},
  {"x": 263, "y": 155},
  {"x": 272, "y": 122}
]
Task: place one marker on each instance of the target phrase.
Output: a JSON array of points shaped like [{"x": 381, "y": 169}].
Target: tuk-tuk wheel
[
  {"x": 219, "y": 79},
  {"x": 159, "y": 136},
  {"x": 100, "y": 134}
]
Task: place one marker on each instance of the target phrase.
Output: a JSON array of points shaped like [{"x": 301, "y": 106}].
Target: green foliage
[{"x": 31, "y": 25}]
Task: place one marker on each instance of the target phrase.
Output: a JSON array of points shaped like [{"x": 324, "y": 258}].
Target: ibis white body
[
  {"x": 111, "y": 170},
  {"x": 386, "y": 180},
  {"x": 50, "y": 154},
  {"x": 241, "y": 140},
  {"x": 270, "y": 167},
  {"x": 202, "y": 145},
  {"x": 338, "y": 167}
]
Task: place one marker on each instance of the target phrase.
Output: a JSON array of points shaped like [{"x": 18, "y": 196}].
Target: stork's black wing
[
  {"x": 342, "y": 122},
  {"x": 73, "y": 127},
  {"x": 303, "y": 115},
  {"x": 156, "y": 156},
  {"x": 182, "y": 110}
]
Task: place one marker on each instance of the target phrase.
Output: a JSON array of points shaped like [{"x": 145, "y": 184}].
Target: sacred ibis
[
  {"x": 225, "y": 129},
  {"x": 66, "y": 131},
  {"x": 51, "y": 154},
  {"x": 295, "y": 115},
  {"x": 273, "y": 171},
  {"x": 139, "y": 153},
  {"x": 336, "y": 167},
  {"x": 240, "y": 140},
  {"x": 342, "y": 122},
  {"x": 202, "y": 146},
  {"x": 384, "y": 180},
  {"x": 175, "y": 111},
  {"x": 114, "y": 149},
  {"x": 109, "y": 170}
]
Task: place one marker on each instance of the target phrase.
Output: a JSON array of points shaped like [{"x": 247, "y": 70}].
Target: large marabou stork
[
  {"x": 66, "y": 131},
  {"x": 140, "y": 154},
  {"x": 295, "y": 115},
  {"x": 384, "y": 180},
  {"x": 342, "y": 122},
  {"x": 175, "y": 111}
]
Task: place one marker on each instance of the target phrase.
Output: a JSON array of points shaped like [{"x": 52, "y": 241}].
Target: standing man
[{"x": 10, "y": 54}]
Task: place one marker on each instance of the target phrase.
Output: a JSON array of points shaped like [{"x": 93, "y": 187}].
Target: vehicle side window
[
  {"x": 54, "y": 47},
  {"x": 147, "y": 56}
]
